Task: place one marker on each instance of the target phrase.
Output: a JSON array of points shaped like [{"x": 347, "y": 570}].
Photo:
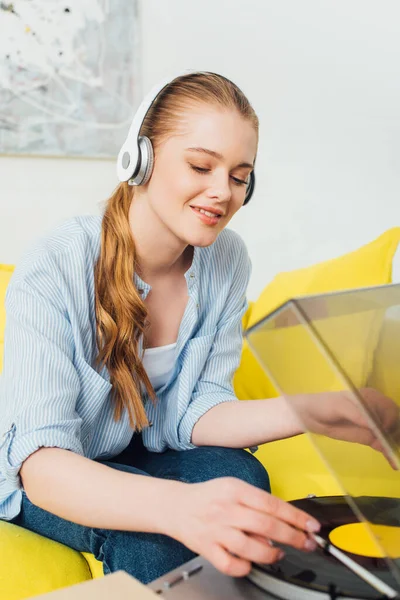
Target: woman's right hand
[{"x": 232, "y": 524}]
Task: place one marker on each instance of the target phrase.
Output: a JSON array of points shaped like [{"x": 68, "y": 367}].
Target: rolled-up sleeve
[
  {"x": 215, "y": 384},
  {"x": 39, "y": 385}
]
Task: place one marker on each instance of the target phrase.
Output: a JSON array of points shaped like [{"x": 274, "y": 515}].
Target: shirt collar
[{"x": 191, "y": 275}]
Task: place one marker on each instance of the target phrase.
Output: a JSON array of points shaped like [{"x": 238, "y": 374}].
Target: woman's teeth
[{"x": 206, "y": 212}]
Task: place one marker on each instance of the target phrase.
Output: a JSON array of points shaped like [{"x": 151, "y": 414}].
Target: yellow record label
[{"x": 357, "y": 539}]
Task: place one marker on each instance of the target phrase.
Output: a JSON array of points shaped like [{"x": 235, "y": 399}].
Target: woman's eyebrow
[{"x": 218, "y": 155}]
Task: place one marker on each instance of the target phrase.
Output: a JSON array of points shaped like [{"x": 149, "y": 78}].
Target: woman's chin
[{"x": 202, "y": 240}]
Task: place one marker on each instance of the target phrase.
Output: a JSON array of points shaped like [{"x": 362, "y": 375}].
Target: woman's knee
[{"x": 210, "y": 462}]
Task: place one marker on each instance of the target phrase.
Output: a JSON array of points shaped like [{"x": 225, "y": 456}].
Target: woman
[{"x": 160, "y": 273}]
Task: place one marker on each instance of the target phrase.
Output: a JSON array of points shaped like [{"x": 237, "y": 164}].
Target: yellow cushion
[
  {"x": 31, "y": 564},
  {"x": 5, "y": 276},
  {"x": 95, "y": 566},
  {"x": 294, "y": 466}
]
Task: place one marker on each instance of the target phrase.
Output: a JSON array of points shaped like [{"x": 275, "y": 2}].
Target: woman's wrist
[{"x": 161, "y": 503}]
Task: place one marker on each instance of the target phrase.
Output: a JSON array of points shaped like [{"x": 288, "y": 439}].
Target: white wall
[
  {"x": 324, "y": 79},
  {"x": 37, "y": 193}
]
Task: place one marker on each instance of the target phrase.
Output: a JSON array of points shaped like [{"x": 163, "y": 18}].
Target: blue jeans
[{"x": 146, "y": 556}]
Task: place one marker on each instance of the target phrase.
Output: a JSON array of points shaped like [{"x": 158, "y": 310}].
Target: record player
[{"x": 346, "y": 342}]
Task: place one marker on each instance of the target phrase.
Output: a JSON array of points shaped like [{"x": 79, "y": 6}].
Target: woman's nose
[{"x": 220, "y": 188}]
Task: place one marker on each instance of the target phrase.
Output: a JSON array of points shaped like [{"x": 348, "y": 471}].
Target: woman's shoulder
[
  {"x": 70, "y": 246},
  {"x": 78, "y": 234}
]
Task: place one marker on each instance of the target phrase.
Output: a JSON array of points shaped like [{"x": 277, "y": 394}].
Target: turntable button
[
  {"x": 192, "y": 571},
  {"x": 171, "y": 582}
]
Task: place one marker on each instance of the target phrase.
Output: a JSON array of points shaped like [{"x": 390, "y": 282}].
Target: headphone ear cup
[
  {"x": 148, "y": 167},
  {"x": 146, "y": 162},
  {"x": 250, "y": 188}
]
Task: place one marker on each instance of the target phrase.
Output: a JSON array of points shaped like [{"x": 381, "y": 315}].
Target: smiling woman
[{"x": 123, "y": 335}]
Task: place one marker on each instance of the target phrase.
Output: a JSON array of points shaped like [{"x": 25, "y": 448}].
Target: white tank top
[{"x": 159, "y": 364}]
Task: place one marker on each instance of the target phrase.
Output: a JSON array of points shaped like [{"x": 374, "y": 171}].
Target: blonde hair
[{"x": 121, "y": 314}]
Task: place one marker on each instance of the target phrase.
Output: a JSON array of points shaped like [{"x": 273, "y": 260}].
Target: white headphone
[{"x": 136, "y": 157}]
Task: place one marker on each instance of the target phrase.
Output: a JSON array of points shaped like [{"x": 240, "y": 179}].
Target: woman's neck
[{"x": 159, "y": 253}]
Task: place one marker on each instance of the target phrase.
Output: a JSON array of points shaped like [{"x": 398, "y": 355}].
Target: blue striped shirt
[{"x": 51, "y": 395}]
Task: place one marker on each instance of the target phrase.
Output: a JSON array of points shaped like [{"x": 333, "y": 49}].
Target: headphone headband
[
  {"x": 127, "y": 165},
  {"x": 135, "y": 158}
]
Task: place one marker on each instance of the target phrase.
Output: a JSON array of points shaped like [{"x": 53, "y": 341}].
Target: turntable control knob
[
  {"x": 182, "y": 576},
  {"x": 192, "y": 571}
]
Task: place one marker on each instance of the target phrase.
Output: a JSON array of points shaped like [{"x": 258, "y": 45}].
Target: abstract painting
[{"x": 68, "y": 76}]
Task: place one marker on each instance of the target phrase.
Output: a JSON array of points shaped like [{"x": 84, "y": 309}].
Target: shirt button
[{"x": 192, "y": 275}]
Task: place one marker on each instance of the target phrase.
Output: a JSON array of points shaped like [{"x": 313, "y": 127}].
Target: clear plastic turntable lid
[{"x": 336, "y": 360}]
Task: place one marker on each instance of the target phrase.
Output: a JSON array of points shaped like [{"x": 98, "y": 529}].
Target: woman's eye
[
  {"x": 199, "y": 169},
  {"x": 205, "y": 170},
  {"x": 239, "y": 181}
]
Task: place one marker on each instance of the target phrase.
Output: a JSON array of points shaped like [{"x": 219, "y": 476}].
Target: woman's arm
[
  {"x": 81, "y": 490},
  {"x": 245, "y": 424},
  {"x": 226, "y": 520},
  {"x": 339, "y": 415}
]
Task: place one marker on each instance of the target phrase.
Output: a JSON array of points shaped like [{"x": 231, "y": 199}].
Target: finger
[
  {"x": 261, "y": 538},
  {"x": 225, "y": 562},
  {"x": 269, "y": 527},
  {"x": 350, "y": 432},
  {"x": 313, "y": 544},
  {"x": 249, "y": 548},
  {"x": 267, "y": 503},
  {"x": 376, "y": 445},
  {"x": 384, "y": 409},
  {"x": 362, "y": 435}
]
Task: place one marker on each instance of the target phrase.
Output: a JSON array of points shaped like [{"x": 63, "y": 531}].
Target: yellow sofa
[{"x": 32, "y": 565}]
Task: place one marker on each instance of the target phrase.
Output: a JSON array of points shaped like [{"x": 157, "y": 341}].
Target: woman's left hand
[{"x": 338, "y": 415}]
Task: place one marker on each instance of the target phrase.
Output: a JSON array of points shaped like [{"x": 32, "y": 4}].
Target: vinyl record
[
  {"x": 334, "y": 511},
  {"x": 319, "y": 575}
]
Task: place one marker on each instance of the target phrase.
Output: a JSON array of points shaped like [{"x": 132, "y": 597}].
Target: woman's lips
[{"x": 205, "y": 218}]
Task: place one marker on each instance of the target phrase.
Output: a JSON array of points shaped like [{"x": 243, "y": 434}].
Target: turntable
[{"x": 339, "y": 343}]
